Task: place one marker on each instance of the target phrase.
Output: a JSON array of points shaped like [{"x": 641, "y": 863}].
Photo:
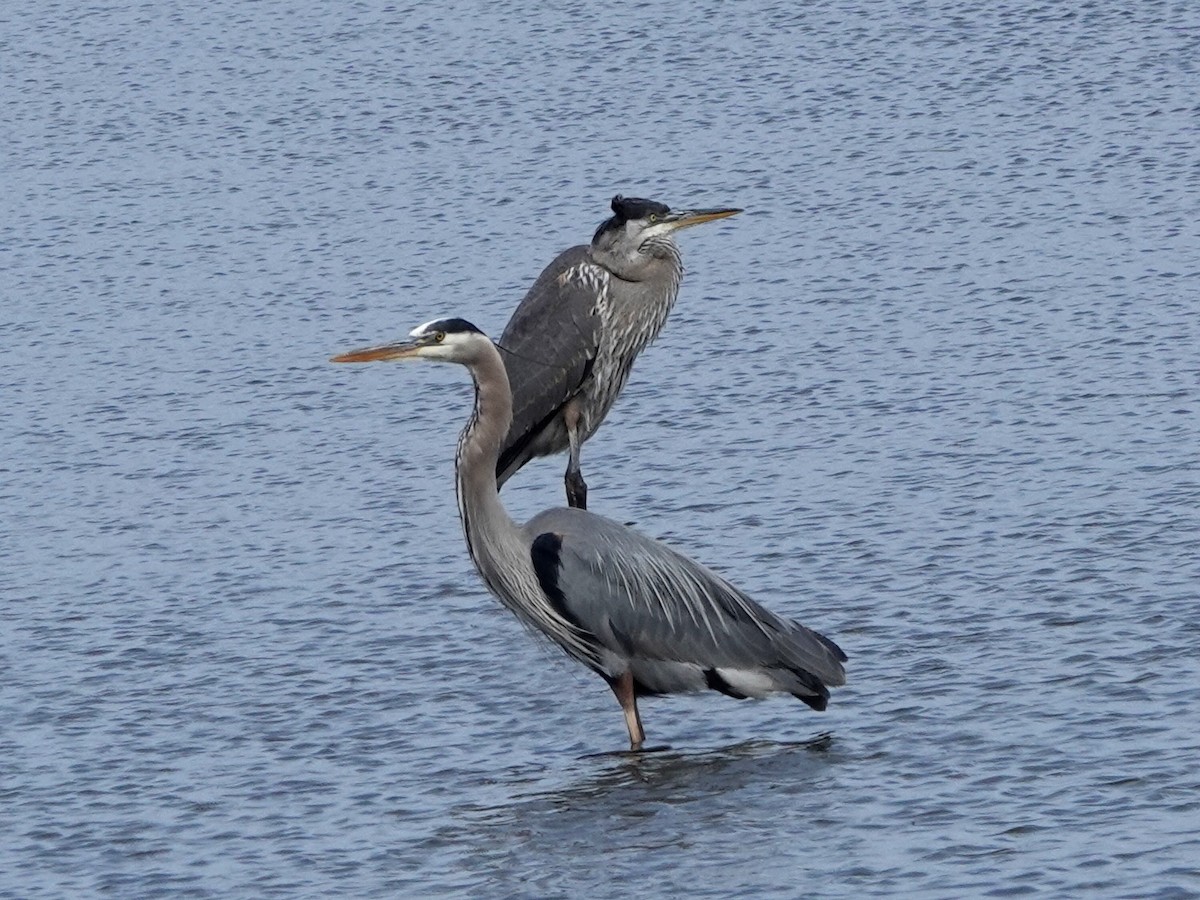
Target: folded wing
[
  {"x": 548, "y": 347},
  {"x": 641, "y": 600}
]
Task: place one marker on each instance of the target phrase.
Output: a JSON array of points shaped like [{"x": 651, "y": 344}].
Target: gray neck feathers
[
  {"x": 499, "y": 547},
  {"x": 492, "y": 537}
]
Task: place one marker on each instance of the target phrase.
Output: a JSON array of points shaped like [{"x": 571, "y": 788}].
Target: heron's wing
[
  {"x": 642, "y": 599},
  {"x": 548, "y": 346}
]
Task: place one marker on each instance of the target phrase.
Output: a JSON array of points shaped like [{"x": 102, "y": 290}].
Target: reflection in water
[
  {"x": 936, "y": 390},
  {"x": 625, "y": 802},
  {"x": 670, "y": 775}
]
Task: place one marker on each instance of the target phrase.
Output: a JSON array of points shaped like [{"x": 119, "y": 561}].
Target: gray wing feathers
[
  {"x": 644, "y": 599},
  {"x": 548, "y": 348}
]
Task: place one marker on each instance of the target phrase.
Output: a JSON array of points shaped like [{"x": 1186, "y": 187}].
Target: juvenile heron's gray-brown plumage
[
  {"x": 646, "y": 618},
  {"x": 571, "y": 343}
]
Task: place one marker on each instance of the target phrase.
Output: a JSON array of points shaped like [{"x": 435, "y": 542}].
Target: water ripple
[{"x": 935, "y": 393}]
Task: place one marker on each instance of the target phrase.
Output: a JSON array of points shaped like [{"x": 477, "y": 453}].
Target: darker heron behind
[{"x": 571, "y": 343}]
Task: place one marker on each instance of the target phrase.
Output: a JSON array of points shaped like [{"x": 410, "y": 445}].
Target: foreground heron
[
  {"x": 647, "y": 619},
  {"x": 572, "y": 341}
]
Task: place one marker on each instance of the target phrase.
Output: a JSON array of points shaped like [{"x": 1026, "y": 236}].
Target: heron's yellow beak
[
  {"x": 688, "y": 217},
  {"x": 404, "y": 350}
]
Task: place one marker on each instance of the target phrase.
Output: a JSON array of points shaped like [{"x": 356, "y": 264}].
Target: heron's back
[{"x": 680, "y": 624}]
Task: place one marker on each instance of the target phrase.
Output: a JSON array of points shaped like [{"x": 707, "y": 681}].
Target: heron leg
[
  {"x": 622, "y": 686},
  {"x": 573, "y": 480}
]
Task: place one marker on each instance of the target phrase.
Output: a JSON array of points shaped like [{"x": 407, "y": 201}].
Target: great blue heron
[
  {"x": 572, "y": 341},
  {"x": 645, "y": 618}
]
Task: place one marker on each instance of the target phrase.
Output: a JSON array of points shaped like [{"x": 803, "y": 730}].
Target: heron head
[
  {"x": 637, "y": 225},
  {"x": 448, "y": 340}
]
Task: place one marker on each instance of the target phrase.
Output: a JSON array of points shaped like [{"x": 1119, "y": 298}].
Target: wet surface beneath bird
[{"x": 934, "y": 394}]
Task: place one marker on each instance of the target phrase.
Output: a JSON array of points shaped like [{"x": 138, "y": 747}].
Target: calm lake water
[{"x": 936, "y": 393}]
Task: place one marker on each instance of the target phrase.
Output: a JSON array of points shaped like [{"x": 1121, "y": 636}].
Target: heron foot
[{"x": 576, "y": 490}]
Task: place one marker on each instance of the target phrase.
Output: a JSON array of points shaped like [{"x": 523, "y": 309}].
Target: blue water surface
[{"x": 935, "y": 393}]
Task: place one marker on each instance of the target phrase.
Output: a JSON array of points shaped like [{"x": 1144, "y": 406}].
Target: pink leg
[{"x": 623, "y": 688}]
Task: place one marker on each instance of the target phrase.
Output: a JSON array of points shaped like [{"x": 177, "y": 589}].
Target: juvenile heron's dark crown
[
  {"x": 626, "y": 209},
  {"x": 635, "y": 208}
]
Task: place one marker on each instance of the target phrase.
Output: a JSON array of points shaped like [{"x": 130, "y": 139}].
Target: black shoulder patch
[{"x": 546, "y": 554}]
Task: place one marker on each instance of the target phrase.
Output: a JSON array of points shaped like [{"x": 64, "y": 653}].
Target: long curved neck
[
  {"x": 500, "y": 549},
  {"x": 493, "y": 539}
]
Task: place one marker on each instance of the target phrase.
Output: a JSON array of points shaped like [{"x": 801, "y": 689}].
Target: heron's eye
[
  {"x": 439, "y": 337},
  {"x": 653, "y": 218}
]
